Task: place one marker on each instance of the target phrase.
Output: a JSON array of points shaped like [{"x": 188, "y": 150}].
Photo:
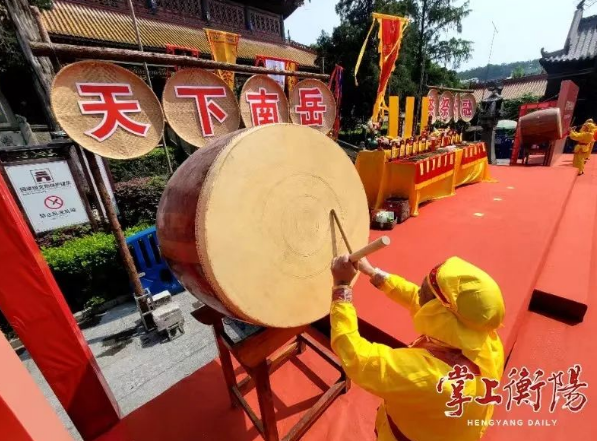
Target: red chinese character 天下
[
  {"x": 490, "y": 397},
  {"x": 525, "y": 390},
  {"x": 444, "y": 108},
  {"x": 458, "y": 376},
  {"x": 114, "y": 112},
  {"x": 311, "y": 107},
  {"x": 264, "y": 107},
  {"x": 206, "y": 106},
  {"x": 466, "y": 108},
  {"x": 575, "y": 400}
]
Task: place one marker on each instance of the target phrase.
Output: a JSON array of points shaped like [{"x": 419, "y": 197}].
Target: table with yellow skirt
[
  {"x": 471, "y": 165},
  {"x": 421, "y": 178}
]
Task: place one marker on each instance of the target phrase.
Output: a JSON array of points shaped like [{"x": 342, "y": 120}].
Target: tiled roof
[
  {"x": 516, "y": 87},
  {"x": 94, "y": 24},
  {"x": 582, "y": 45}
]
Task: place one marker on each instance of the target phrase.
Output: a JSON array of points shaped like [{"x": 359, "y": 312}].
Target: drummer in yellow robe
[
  {"x": 457, "y": 311},
  {"x": 585, "y": 139}
]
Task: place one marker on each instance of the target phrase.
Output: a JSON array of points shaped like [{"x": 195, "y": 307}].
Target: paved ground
[{"x": 137, "y": 366}]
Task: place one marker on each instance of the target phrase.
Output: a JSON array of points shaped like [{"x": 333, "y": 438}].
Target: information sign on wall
[{"x": 48, "y": 195}]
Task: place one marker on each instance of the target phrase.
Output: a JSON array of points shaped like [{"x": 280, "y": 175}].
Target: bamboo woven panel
[{"x": 73, "y": 87}]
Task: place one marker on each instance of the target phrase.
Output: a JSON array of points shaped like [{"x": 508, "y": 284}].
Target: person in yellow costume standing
[
  {"x": 457, "y": 310},
  {"x": 585, "y": 139}
]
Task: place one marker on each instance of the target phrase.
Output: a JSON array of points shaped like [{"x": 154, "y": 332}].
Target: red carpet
[
  {"x": 505, "y": 228},
  {"x": 553, "y": 346},
  {"x": 545, "y": 343}
]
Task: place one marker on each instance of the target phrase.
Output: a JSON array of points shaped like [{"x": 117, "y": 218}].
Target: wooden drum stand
[{"x": 254, "y": 354}]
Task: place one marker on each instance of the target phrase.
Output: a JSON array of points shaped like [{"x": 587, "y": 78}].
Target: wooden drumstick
[
  {"x": 337, "y": 219},
  {"x": 374, "y": 246}
]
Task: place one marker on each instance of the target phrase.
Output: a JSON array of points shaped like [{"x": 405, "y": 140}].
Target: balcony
[{"x": 220, "y": 14}]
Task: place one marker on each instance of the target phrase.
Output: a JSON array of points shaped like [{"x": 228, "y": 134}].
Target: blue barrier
[{"x": 154, "y": 273}]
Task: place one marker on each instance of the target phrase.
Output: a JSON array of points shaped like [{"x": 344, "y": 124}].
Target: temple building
[
  {"x": 514, "y": 88},
  {"x": 576, "y": 61},
  {"x": 179, "y": 23}
]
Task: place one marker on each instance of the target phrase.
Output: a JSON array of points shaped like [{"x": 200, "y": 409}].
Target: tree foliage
[
  {"x": 501, "y": 71},
  {"x": 434, "y": 18},
  {"x": 518, "y": 72},
  {"x": 10, "y": 53},
  {"x": 510, "y": 107},
  {"x": 424, "y": 42}
]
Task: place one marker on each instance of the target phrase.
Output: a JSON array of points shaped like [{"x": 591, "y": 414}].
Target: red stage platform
[
  {"x": 198, "y": 408},
  {"x": 506, "y": 228},
  {"x": 546, "y": 343},
  {"x": 550, "y": 345},
  {"x": 565, "y": 281}
]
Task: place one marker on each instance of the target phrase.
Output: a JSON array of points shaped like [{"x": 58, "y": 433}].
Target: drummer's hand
[{"x": 343, "y": 270}]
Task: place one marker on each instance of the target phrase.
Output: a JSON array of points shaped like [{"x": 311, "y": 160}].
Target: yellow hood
[{"x": 466, "y": 313}]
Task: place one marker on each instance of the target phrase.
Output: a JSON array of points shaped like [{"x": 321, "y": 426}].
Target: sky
[{"x": 524, "y": 27}]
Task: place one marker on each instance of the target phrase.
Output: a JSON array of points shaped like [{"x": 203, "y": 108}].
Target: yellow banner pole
[
  {"x": 393, "y": 117},
  {"x": 424, "y": 114},
  {"x": 408, "y": 120}
]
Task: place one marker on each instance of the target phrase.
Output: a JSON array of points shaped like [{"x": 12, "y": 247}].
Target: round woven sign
[
  {"x": 262, "y": 101},
  {"x": 107, "y": 109},
  {"x": 199, "y": 106},
  {"x": 468, "y": 107},
  {"x": 312, "y": 104},
  {"x": 245, "y": 223}
]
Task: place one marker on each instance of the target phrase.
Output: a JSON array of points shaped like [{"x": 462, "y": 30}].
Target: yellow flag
[{"x": 224, "y": 48}]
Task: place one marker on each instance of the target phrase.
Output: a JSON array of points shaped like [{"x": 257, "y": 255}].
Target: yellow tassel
[{"x": 356, "y": 68}]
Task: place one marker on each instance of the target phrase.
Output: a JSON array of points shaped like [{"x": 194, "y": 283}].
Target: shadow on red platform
[
  {"x": 504, "y": 228},
  {"x": 198, "y": 408}
]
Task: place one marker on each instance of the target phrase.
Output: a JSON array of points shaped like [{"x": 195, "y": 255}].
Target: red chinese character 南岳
[
  {"x": 264, "y": 107},
  {"x": 310, "y": 108}
]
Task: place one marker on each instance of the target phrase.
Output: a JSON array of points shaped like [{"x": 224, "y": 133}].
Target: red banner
[{"x": 391, "y": 29}]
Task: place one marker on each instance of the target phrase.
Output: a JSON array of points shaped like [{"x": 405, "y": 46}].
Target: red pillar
[
  {"x": 25, "y": 414},
  {"x": 36, "y": 309}
]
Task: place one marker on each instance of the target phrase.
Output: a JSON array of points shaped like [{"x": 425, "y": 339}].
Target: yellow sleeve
[
  {"x": 377, "y": 368},
  {"x": 582, "y": 137},
  {"x": 402, "y": 292}
]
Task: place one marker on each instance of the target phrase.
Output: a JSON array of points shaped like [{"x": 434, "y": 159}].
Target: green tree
[
  {"x": 518, "y": 72},
  {"x": 10, "y": 53},
  {"x": 510, "y": 107},
  {"x": 433, "y": 19},
  {"x": 500, "y": 71}
]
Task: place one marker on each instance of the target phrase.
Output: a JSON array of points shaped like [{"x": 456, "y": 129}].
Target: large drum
[
  {"x": 245, "y": 223},
  {"x": 541, "y": 126}
]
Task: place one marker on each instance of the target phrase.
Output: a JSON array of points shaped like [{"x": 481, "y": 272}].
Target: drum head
[{"x": 265, "y": 237}]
